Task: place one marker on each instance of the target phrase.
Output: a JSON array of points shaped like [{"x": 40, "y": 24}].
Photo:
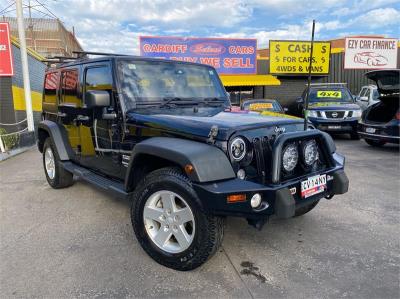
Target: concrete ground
[{"x": 78, "y": 242}]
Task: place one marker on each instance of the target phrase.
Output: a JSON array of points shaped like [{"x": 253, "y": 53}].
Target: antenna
[{"x": 309, "y": 78}]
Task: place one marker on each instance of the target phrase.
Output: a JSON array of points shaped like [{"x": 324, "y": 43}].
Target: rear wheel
[
  {"x": 169, "y": 223},
  {"x": 306, "y": 209},
  {"x": 376, "y": 143},
  {"x": 56, "y": 175}
]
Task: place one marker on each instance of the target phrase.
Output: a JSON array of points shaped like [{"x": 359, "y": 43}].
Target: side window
[
  {"x": 50, "y": 88},
  {"x": 98, "y": 78},
  {"x": 362, "y": 92},
  {"x": 69, "y": 88},
  {"x": 367, "y": 93},
  {"x": 375, "y": 94}
]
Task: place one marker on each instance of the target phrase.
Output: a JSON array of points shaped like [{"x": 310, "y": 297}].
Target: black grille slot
[
  {"x": 334, "y": 114},
  {"x": 259, "y": 153}
]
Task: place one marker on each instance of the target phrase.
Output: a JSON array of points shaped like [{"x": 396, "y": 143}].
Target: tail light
[{"x": 397, "y": 116}]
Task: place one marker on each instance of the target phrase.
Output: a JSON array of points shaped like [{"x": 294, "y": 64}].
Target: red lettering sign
[{"x": 6, "y": 61}]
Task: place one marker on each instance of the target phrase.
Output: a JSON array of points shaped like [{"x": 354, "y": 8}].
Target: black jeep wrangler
[{"x": 160, "y": 133}]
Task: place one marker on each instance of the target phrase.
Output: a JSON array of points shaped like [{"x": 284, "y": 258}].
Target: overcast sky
[{"x": 115, "y": 25}]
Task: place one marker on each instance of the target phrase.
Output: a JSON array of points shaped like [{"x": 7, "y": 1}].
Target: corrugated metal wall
[{"x": 355, "y": 79}]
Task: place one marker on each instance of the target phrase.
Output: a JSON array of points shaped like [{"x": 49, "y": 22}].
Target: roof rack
[
  {"x": 58, "y": 60},
  {"x": 329, "y": 84},
  {"x": 82, "y": 54}
]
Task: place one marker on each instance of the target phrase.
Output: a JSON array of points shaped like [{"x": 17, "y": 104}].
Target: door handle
[
  {"x": 61, "y": 114},
  {"x": 82, "y": 118}
]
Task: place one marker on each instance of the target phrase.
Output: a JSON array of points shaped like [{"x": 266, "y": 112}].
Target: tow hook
[{"x": 257, "y": 224}]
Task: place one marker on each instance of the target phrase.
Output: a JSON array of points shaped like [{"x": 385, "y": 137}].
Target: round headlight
[
  {"x": 310, "y": 152},
  {"x": 290, "y": 157},
  {"x": 238, "y": 149}
]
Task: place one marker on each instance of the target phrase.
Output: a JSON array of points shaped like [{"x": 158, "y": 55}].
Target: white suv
[{"x": 367, "y": 96}]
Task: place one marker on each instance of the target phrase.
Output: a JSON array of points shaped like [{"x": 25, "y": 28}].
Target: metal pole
[
  {"x": 25, "y": 70},
  {"x": 309, "y": 78}
]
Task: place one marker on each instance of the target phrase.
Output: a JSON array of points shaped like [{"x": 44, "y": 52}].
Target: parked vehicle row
[{"x": 372, "y": 115}]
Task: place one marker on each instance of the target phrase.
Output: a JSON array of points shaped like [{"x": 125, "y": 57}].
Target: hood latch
[{"x": 213, "y": 133}]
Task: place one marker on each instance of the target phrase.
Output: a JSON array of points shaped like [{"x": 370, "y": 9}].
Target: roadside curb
[{"x": 14, "y": 152}]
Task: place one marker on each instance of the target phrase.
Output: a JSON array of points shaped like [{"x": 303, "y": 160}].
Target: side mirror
[
  {"x": 97, "y": 98},
  {"x": 364, "y": 99},
  {"x": 299, "y": 100}
]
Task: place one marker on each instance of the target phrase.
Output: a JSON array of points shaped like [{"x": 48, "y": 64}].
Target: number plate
[
  {"x": 313, "y": 185},
  {"x": 334, "y": 127},
  {"x": 370, "y": 130}
]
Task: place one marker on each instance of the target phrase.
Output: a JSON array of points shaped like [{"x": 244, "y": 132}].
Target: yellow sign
[
  {"x": 293, "y": 57},
  {"x": 329, "y": 94},
  {"x": 260, "y": 106}
]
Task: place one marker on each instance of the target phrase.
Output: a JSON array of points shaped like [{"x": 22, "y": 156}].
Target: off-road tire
[
  {"x": 304, "y": 210},
  {"x": 62, "y": 178},
  {"x": 209, "y": 230},
  {"x": 375, "y": 143}
]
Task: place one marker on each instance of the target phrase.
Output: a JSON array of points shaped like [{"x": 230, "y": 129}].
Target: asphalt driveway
[{"x": 78, "y": 242}]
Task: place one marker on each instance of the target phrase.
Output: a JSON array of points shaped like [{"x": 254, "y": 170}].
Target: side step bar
[{"x": 113, "y": 187}]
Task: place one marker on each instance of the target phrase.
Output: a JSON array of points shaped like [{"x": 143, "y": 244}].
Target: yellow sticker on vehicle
[
  {"x": 259, "y": 106},
  {"x": 329, "y": 94},
  {"x": 277, "y": 114}
]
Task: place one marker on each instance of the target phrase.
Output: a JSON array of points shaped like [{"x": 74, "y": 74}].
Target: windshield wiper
[
  {"x": 170, "y": 100},
  {"x": 212, "y": 101}
]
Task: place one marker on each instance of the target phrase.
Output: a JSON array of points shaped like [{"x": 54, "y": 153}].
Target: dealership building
[
  {"x": 287, "y": 88},
  {"x": 255, "y": 83}
]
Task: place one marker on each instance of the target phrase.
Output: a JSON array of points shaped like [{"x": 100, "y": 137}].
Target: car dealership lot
[{"x": 78, "y": 242}]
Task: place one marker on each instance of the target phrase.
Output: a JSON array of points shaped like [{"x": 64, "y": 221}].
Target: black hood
[{"x": 227, "y": 122}]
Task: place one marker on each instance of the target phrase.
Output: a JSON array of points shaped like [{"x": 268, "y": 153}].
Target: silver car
[{"x": 367, "y": 96}]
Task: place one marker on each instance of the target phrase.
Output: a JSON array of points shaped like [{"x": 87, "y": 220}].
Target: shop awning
[{"x": 249, "y": 80}]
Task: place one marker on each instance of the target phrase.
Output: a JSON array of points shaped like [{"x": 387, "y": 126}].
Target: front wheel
[
  {"x": 170, "y": 224},
  {"x": 375, "y": 143}
]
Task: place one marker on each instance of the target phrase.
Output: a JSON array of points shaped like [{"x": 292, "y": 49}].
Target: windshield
[
  {"x": 150, "y": 82},
  {"x": 262, "y": 106},
  {"x": 330, "y": 95}
]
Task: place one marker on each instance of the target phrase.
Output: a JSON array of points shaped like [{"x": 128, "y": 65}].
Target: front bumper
[
  {"x": 282, "y": 199},
  {"x": 335, "y": 125}
]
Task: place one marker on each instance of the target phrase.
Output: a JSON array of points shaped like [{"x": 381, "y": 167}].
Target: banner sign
[
  {"x": 6, "y": 61},
  {"x": 228, "y": 56},
  {"x": 370, "y": 53},
  {"x": 293, "y": 57}
]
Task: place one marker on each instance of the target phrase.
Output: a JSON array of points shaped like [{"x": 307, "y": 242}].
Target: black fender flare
[
  {"x": 209, "y": 162},
  {"x": 60, "y": 138}
]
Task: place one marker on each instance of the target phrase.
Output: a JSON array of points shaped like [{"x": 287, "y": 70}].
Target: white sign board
[{"x": 370, "y": 53}]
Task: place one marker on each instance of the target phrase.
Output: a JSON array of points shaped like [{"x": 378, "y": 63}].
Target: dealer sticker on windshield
[
  {"x": 329, "y": 94},
  {"x": 313, "y": 185},
  {"x": 258, "y": 106}
]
